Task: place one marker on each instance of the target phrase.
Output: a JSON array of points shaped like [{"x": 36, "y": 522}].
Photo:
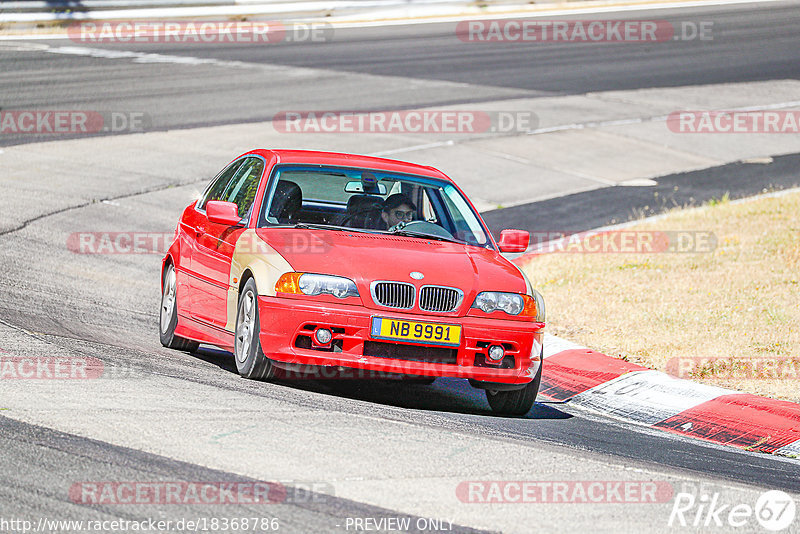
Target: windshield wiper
[
  {"x": 311, "y": 226},
  {"x": 428, "y": 236}
]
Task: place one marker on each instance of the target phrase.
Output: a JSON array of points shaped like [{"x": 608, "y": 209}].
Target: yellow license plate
[{"x": 448, "y": 335}]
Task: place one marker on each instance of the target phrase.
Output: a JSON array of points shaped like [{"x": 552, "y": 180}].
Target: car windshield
[{"x": 370, "y": 201}]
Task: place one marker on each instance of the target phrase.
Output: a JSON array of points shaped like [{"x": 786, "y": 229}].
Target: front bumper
[{"x": 287, "y": 325}]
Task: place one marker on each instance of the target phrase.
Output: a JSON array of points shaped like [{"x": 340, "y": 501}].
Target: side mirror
[
  {"x": 223, "y": 213},
  {"x": 514, "y": 241}
]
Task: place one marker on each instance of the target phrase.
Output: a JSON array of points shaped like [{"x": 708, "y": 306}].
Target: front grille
[
  {"x": 439, "y": 299},
  {"x": 393, "y": 294},
  {"x": 414, "y": 353}
]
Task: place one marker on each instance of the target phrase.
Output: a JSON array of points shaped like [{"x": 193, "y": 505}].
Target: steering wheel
[
  {"x": 422, "y": 227},
  {"x": 351, "y": 216}
]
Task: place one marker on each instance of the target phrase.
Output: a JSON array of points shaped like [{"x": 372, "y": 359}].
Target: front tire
[
  {"x": 168, "y": 317},
  {"x": 518, "y": 401},
  {"x": 250, "y": 359}
]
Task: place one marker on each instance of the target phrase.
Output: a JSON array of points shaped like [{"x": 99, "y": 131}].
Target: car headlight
[
  {"x": 511, "y": 303},
  {"x": 316, "y": 284}
]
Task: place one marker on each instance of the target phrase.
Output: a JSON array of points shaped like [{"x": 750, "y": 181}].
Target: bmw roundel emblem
[{"x": 416, "y": 275}]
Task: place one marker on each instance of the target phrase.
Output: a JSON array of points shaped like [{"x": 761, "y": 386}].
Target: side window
[
  {"x": 241, "y": 190},
  {"x": 467, "y": 227},
  {"x": 217, "y": 187}
]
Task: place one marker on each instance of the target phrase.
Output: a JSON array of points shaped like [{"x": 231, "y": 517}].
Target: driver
[{"x": 397, "y": 208}]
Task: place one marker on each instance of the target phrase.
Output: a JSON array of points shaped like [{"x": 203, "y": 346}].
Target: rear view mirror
[
  {"x": 514, "y": 241},
  {"x": 223, "y": 213},
  {"x": 357, "y": 187}
]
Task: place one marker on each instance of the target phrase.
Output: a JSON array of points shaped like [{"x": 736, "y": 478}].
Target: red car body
[{"x": 212, "y": 260}]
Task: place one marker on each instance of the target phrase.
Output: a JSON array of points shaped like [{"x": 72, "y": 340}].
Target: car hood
[{"x": 365, "y": 257}]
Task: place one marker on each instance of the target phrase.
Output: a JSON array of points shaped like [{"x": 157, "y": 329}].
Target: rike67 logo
[{"x": 774, "y": 511}]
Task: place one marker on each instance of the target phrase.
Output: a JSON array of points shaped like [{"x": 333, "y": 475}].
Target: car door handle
[{"x": 200, "y": 230}]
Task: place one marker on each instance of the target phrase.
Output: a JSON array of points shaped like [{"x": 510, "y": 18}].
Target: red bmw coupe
[{"x": 322, "y": 259}]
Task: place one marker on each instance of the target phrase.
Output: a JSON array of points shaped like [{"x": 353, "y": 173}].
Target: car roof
[{"x": 351, "y": 160}]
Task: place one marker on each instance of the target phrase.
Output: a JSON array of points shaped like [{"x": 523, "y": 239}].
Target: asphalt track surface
[
  {"x": 53, "y": 459},
  {"x": 614, "y": 205},
  {"x": 113, "y": 322},
  {"x": 749, "y": 44}
]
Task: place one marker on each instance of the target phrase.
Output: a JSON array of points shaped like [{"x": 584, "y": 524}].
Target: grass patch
[{"x": 739, "y": 301}]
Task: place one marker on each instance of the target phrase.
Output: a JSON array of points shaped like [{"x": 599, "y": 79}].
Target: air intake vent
[
  {"x": 398, "y": 295},
  {"x": 413, "y": 353},
  {"x": 440, "y": 299}
]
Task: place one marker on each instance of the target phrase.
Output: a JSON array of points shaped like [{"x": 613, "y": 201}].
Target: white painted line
[
  {"x": 593, "y": 124},
  {"x": 766, "y": 107},
  {"x": 23, "y": 47},
  {"x": 638, "y": 182},
  {"x": 583, "y": 126},
  {"x": 457, "y": 12},
  {"x": 596, "y": 179},
  {"x": 534, "y": 11},
  {"x": 188, "y": 12},
  {"x": 792, "y": 449},
  {"x": 31, "y": 37},
  {"x": 503, "y": 155},
  {"x": 655, "y": 118},
  {"x": 757, "y": 161},
  {"x": 143, "y": 57},
  {"x": 647, "y": 397},
  {"x": 139, "y": 57},
  {"x": 554, "y": 345}
]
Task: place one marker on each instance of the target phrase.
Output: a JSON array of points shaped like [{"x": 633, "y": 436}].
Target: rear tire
[
  {"x": 168, "y": 318},
  {"x": 518, "y": 401},
  {"x": 250, "y": 359}
]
